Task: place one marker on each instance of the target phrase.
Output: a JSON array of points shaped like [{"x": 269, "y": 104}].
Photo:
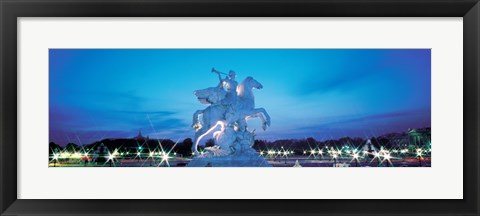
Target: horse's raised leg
[
  {"x": 264, "y": 112},
  {"x": 262, "y": 115},
  {"x": 264, "y": 122}
]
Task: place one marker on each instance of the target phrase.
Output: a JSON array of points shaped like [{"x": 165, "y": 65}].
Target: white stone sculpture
[{"x": 230, "y": 106}]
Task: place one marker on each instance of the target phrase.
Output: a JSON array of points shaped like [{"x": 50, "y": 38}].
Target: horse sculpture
[{"x": 233, "y": 114}]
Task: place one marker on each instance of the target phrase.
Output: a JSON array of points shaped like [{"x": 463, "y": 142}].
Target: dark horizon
[{"x": 207, "y": 138}]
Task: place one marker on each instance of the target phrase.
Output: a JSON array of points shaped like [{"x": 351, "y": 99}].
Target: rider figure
[{"x": 230, "y": 86}]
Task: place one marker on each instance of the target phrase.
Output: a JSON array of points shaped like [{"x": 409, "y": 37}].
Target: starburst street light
[
  {"x": 335, "y": 156},
  {"x": 55, "y": 157},
  {"x": 270, "y": 152},
  {"x": 419, "y": 156},
  {"x": 387, "y": 157},
  {"x": 419, "y": 152},
  {"x": 111, "y": 157},
  {"x": 339, "y": 152},
  {"x": 376, "y": 155},
  {"x": 165, "y": 157},
  {"x": 355, "y": 157}
]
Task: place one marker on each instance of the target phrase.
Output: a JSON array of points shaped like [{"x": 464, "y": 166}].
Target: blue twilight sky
[{"x": 320, "y": 93}]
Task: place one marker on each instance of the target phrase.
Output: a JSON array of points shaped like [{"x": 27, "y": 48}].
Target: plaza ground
[{"x": 304, "y": 161}]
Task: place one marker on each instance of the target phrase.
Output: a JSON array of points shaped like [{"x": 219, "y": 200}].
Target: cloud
[
  {"x": 359, "y": 125},
  {"x": 92, "y": 124},
  {"x": 165, "y": 113},
  {"x": 345, "y": 79},
  {"x": 374, "y": 117}
]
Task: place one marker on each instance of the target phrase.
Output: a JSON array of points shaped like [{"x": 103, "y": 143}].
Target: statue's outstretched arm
[{"x": 220, "y": 84}]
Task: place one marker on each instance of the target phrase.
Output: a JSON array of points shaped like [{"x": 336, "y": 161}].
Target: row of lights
[
  {"x": 336, "y": 153},
  {"x": 111, "y": 157}
]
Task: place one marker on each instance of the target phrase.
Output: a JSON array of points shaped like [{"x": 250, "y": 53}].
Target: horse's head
[
  {"x": 246, "y": 87},
  {"x": 253, "y": 83}
]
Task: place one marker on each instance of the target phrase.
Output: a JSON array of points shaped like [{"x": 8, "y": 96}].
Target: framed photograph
[{"x": 251, "y": 107}]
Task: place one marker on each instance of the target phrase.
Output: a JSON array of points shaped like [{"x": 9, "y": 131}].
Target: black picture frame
[{"x": 10, "y": 10}]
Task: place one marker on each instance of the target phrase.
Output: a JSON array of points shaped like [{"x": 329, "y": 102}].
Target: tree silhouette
[
  {"x": 53, "y": 147},
  {"x": 72, "y": 147}
]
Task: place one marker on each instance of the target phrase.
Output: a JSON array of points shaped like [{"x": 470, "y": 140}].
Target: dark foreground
[{"x": 303, "y": 161}]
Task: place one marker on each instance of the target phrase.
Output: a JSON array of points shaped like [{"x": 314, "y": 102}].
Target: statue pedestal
[{"x": 243, "y": 158}]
